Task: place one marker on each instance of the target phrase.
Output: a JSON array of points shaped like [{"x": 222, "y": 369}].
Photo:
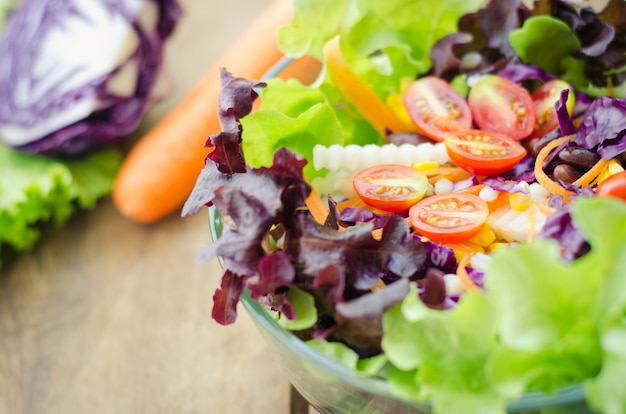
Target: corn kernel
[
  {"x": 613, "y": 168},
  {"x": 496, "y": 246},
  {"x": 485, "y": 237},
  {"x": 425, "y": 166},
  {"x": 521, "y": 201}
]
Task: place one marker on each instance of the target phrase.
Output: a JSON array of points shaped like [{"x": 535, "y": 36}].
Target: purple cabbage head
[{"x": 78, "y": 74}]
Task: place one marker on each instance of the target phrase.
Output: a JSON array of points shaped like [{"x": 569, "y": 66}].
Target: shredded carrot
[
  {"x": 532, "y": 222},
  {"x": 475, "y": 189},
  {"x": 500, "y": 201},
  {"x": 541, "y": 176},
  {"x": 316, "y": 206},
  {"x": 593, "y": 174},
  {"x": 467, "y": 283},
  {"x": 355, "y": 202},
  {"x": 545, "y": 209}
]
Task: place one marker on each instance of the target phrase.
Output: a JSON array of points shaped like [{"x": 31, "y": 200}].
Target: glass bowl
[{"x": 332, "y": 388}]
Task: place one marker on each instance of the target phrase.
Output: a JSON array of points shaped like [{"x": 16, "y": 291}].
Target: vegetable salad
[{"x": 446, "y": 201}]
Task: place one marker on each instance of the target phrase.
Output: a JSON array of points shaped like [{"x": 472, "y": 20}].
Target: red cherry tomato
[
  {"x": 502, "y": 106},
  {"x": 390, "y": 187},
  {"x": 449, "y": 217},
  {"x": 544, "y": 98},
  {"x": 436, "y": 108},
  {"x": 613, "y": 186},
  {"x": 483, "y": 152}
]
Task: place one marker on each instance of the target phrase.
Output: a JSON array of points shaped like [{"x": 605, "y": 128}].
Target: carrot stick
[
  {"x": 316, "y": 206},
  {"x": 541, "y": 176},
  {"x": 594, "y": 172},
  {"x": 161, "y": 169},
  {"x": 467, "y": 283}
]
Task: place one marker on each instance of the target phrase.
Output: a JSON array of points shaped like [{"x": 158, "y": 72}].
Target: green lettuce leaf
[
  {"x": 35, "y": 190},
  {"x": 298, "y": 117},
  {"x": 443, "y": 354}
]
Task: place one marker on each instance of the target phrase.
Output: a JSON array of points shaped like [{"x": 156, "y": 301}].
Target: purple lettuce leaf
[
  {"x": 226, "y": 298},
  {"x": 406, "y": 254},
  {"x": 235, "y": 101},
  {"x": 360, "y": 320},
  {"x": 485, "y": 32},
  {"x": 602, "y": 38},
  {"x": 275, "y": 271},
  {"x": 433, "y": 289}
]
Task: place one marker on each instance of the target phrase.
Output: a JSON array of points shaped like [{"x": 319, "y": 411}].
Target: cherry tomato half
[
  {"x": 390, "y": 187},
  {"x": 483, "y": 152},
  {"x": 436, "y": 108},
  {"x": 613, "y": 186},
  {"x": 499, "y": 105},
  {"x": 449, "y": 217},
  {"x": 544, "y": 98}
]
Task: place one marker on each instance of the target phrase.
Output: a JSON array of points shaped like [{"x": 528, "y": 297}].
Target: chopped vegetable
[
  {"x": 511, "y": 289},
  {"x": 38, "y": 190},
  {"x": 390, "y": 187},
  {"x": 436, "y": 108},
  {"x": 80, "y": 74},
  {"x": 483, "y": 152},
  {"x": 450, "y": 217},
  {"x": 159, "y": 172},
  {"x": 499, "y": 105}
]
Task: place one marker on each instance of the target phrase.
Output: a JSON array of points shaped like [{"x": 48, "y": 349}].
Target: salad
[{"x": 446, "y": 202}]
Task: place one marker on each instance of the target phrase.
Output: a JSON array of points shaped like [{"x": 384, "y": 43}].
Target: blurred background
[{"x": 109, "y": 316}]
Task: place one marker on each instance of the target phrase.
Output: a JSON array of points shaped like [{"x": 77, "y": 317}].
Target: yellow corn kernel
[
  {"x": 496, "y": 246},
  {"x": 425, "y": 166},
  {"x": 613, "y": 168},
  {"x": 484, "y": 237},
  {"x": 521, "y": 201},
  {"x": 462, "y": 248}
]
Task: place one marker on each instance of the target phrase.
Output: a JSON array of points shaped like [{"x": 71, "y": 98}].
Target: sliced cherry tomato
[
  {"x": 483, "y": 152},
  {"x": 449, "y": 217},
  {"x": 613, "y": 186},
  {"x": 499, "y": 105},
  {"x": 390, "y": 187},
  {"x": 436, "y": 108},
  {"x": 544, "y": 98}
]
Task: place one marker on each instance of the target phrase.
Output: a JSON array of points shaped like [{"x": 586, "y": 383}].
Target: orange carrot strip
[
  {"x": 500, "y": 201},
  {"x": 545, "y": 209},
  {"x": 467, "y": 283},
  {"x": 532, "y": 222},
  {"x": 316, "y": 206},
  {"x": 475, "y": 189},
  {"x": 358, "y": 92},
  {"x": 594, "y": 172},
  {"x": 161, "y": 169},
  {"x": 541, "y": 176}
]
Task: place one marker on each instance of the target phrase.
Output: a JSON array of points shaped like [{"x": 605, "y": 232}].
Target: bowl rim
[{"x": 566, "y": 395}]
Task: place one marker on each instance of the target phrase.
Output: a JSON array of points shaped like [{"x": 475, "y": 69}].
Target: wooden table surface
[{"x": 109, "y": 316}]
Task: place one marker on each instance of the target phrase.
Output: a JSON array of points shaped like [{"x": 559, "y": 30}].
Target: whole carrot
[{"x": 160, "y": 170}]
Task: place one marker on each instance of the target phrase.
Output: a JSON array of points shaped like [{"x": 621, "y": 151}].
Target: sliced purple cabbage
[
  {"x": 603, "y": 127},
  {"x": 79, "y": 74},
  {"x": 566, "y": 124}
]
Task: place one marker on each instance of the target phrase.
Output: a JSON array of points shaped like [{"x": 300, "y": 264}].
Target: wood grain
[{"x": 108, "y": 316}]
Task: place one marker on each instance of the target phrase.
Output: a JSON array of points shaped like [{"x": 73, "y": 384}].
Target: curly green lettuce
[{"x": 37, "y": 190}]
